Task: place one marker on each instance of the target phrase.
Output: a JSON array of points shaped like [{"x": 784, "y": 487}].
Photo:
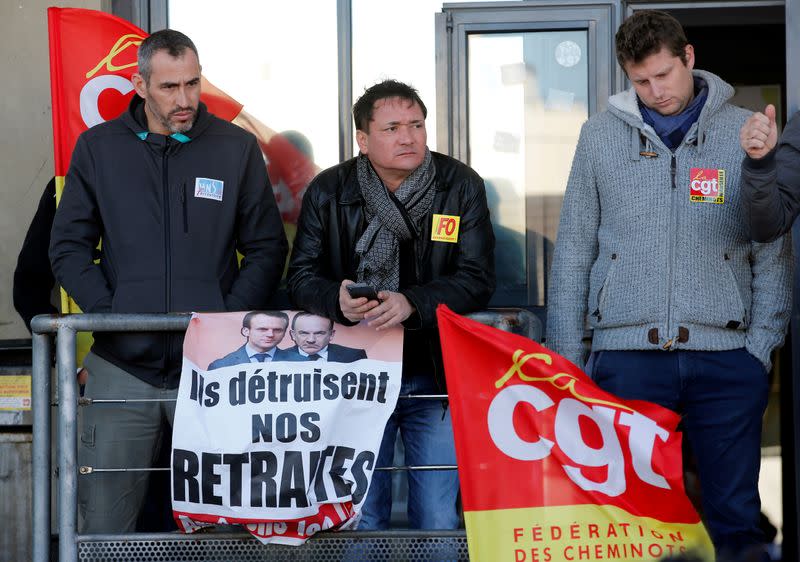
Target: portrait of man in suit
[
  {"x": 263, "y": 331},
  {"x": 312, "y": 335}
]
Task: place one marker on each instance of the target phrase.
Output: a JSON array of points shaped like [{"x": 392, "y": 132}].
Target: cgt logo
[
  {"x": 445, "y": 228},
  {"x": 94, "y": 88},
  {"x": 707, "y": 185},
  {"x": 575, "y": 420}
]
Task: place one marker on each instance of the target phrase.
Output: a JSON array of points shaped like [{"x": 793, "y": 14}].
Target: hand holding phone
[
  {"x": 358, "y": 290},
  {"x": 350, "y": 303}
]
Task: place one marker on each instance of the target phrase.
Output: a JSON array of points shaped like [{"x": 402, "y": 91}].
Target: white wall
[{"x": 26, "y": 146}]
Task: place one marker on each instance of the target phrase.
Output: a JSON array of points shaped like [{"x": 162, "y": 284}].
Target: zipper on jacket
[
  {"x": 167, "y": 237},
  {"x": 167, "y": 245},
  {"x": 184, "y": 187},
  {"x": 673, "y": 166},
  {"x": 673, "y": 170}
]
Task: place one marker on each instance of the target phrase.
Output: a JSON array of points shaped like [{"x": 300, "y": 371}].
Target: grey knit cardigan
[{"x": 653, "y": 250}]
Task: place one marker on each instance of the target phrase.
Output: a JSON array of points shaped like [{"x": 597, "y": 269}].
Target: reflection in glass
[
  {"x": 396, "y": 40},
  {"x": 285, "y": 74},
  {"x": 528, "y": 97}
]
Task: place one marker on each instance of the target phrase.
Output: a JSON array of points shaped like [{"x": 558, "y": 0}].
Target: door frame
[{"x": 457, "y": 21}]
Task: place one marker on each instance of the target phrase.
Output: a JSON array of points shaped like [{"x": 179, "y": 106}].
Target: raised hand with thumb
[{"x": 759, "y": 133}]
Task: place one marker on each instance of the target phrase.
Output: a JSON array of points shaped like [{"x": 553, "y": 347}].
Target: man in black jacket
[
  {"x": 770, "y": 174},
  {"x": 173, "y": 192},
  {"x": 415, "y": 225}
]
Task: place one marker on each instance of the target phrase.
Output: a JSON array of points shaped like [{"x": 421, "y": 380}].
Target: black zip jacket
[
  {"x": 771, "y": 186},
  {"x": 460, "y": 275},
  {"x": 168, "y": 241}
]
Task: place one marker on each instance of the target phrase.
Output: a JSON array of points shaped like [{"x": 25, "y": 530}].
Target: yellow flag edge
[{"x": 556, "y": 533}]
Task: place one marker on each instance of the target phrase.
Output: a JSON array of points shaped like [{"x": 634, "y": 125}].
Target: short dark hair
[
  {"x": 365, "y": 105},
  {"x": 304, "y": 313},
  {"x": 645, "y": 33},
  {"x": 273, "y": 313},
  {"x": 174, "y": 42}
]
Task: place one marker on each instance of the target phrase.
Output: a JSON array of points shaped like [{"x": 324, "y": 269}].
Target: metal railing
[{"x": 65, "y": 328}]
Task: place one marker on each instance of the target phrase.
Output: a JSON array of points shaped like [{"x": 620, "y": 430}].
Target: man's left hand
[{"x": 394, "y": 309}]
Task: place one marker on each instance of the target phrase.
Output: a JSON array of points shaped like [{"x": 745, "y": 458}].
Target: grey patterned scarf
[{"x": 391, "y": 217}]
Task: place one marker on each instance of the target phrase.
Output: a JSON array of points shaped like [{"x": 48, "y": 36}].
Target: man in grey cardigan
[{"x": 654, "y": 255}]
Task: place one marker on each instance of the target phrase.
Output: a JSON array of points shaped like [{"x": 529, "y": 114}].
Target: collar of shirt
[
  {"x": 323, "y": 353},
  {"x": 250, "y": 352}
]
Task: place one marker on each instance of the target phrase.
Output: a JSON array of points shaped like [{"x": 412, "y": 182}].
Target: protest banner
[
  {"x": 552, "y": 468},
  {"x": 277, "y": 428}
]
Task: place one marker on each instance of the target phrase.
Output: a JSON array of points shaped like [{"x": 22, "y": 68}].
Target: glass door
[{"x": 515, "y": 83}]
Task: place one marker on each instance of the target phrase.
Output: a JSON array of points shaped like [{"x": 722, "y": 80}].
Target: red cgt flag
[
  {"x": 553, "y": 468},
  {"x": 92, "y": 59}
]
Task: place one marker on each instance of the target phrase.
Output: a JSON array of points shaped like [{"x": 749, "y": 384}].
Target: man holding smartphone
[{"x": 413, "y": 225}]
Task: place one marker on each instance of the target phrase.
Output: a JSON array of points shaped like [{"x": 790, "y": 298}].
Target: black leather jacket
[{"x": 460, "y": 274}]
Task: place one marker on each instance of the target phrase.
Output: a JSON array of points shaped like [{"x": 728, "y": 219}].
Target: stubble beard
[{"x": 168, "y": 124}]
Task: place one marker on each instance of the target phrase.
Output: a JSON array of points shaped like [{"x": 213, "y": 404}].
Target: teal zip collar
[{"x": 180, "y": 137}]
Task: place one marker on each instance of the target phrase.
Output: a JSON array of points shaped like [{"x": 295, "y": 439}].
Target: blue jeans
[
  {"x": 721, "y": 396},
  {"x": 428, "y": 440}
]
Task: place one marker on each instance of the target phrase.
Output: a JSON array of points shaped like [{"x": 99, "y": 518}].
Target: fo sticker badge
[
  {"x": 707, "y": 185},
  {"x": 445, "y": 228},
  {"x": 206, "y": 188}
]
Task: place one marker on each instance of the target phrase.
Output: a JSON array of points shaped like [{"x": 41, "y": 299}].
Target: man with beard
[{"x": 174, "y": 192}]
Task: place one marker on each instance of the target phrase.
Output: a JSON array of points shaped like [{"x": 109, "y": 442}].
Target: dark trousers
[
  {"x": 118, "y": 436},
  {"x": 721, "y": 396}
]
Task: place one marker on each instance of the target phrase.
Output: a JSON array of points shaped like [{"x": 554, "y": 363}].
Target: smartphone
[{"x": 358, "y": 290}]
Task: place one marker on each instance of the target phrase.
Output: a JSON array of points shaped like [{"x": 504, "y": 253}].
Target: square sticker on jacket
[
  {"x": 445, "y": 228},
  {"x": 206, "y": 188},
  {"x": 707, "y": 185}
]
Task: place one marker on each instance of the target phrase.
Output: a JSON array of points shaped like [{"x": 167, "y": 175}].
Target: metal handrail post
[
  {"x": 41, "y": 446},
  {"x": 68, "y": 444},
  {"x": 66, "y": 327}
]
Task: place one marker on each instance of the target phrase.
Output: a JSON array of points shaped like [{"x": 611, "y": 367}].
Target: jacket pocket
[
  {"x": 137, "y": 348},
  {"x": 88, "y": 435},
  {"x": 740, "y": 314},
  {"x": 711, "y": 292},
  {"x": 600, "y": 298}
]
